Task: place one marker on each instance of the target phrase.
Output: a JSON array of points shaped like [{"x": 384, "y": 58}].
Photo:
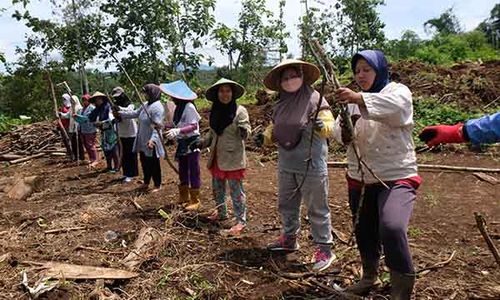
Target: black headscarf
[
  {"x": 153, "y": 92},
  {"x": 122, "y": 100},
  {"x": 180, "y": 105},
  {"x": 222, "y": 115}
]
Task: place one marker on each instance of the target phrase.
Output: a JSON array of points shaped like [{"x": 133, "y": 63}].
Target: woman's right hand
[{"x": 151, "y": 144}]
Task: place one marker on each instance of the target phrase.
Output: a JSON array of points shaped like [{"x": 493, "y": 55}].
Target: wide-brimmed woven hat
[
  {"x": 212, "y": 92},
  {"x": 179, "y": 90},
  {"x": 311, "y": 73},
  {"x": 97, "y": 95}
]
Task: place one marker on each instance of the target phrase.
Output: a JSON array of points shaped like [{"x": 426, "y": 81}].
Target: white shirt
[
  {"x": 383, "y": 135},
  {"x": 127, "y": 128}
]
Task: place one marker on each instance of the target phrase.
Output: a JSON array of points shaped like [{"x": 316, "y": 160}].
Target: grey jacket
[{"x": 229, "y": 147}]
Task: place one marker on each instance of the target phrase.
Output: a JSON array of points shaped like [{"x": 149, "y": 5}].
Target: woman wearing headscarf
[
  {"x": 383, "y": 123},
  {"x": 148, "y": 142},
  {"x": 71, "y": 105},
  {"x": 87, "y": 130},
  {"x": 187, "y": 132},
  {"x": 229, "y": 128},
  {"x": 292, "y": 125},
  {"x": 127, "y": 130},
  {"x": 103, "y": 119}
]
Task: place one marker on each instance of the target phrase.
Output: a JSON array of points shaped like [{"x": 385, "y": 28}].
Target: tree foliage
[{"x": 447, "y": 23}]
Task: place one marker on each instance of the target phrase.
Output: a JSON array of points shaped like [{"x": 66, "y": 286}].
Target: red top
[
  {"x": 229, "y": 175},
  {"x": 65, "y": 122},
  {"x": 414, "y": 182}
]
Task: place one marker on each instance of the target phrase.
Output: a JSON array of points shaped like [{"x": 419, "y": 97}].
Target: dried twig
[
  {"x": 438, "y": 265},
  {"x": 53, "y": 231},
  {"x": 481, "y": 225}
]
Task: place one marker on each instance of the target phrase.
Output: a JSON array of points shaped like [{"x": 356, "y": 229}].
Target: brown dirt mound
[{"x": 467, "y": 85}]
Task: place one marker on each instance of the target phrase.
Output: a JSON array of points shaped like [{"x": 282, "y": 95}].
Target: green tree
[
  {"x": 247, "y": 46},
  {"x": 446, "y": 23},
  {"x": 405, "y": 47},
  {"x": 74, "y": 31},
  {"x": 149, "y": 32},
  {"x": 491, "y": 27}
]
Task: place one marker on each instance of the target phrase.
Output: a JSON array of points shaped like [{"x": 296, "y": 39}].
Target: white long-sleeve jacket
[{"x": 383, "y": 135}]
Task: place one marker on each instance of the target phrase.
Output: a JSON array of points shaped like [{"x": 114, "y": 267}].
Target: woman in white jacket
[{"x": 383, "y": 118}]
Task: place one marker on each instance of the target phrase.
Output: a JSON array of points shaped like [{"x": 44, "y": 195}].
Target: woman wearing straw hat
[
  {"x": 229, "y": 128},
  {"x": 148, "y": 142},
  {"x": 103, "y": 119},
  {"x": 187, "y": 132},
  {"x": 293, "y": 123}
]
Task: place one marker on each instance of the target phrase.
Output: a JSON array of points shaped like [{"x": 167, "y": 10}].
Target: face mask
[{"x": 292, "y": 85}]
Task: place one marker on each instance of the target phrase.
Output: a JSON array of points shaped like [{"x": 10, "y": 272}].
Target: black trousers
[
  {"x": 151, "y": 168},
  {"x": 81, "y": 153},
  {"x": 129, "y": 158}
]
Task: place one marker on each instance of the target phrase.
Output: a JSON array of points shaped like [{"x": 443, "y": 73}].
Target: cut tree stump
[{"x": 23, "y": 188}]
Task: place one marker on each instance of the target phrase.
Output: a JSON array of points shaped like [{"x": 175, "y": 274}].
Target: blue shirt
[{"x": 485, "y": 130}]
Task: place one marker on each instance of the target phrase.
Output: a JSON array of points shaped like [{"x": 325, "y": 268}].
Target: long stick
[
  {"x": 13, "y": 162},
  {"x": 481, "y": 225},
  {"x": 59, "y": 122},
  {"x": 143, "y": 108},
  {"x": 336, "y": 164}
]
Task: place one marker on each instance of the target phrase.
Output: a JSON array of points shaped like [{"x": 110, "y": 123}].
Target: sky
[{"x": 398, "y": 16}]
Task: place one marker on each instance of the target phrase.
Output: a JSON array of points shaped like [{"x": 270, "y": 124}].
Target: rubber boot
[
  {"x": 368, "y": 281},
  {"x": 183, "y": 195},
  {"x": 402, "y": 285},
  {"x": 194, "y": 202}
]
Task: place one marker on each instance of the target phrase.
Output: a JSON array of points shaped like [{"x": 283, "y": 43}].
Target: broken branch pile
[{"x": 29, "y": 140}]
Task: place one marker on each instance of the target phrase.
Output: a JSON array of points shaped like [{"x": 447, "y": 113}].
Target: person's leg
[
  {"x": 193, "y": 166},
  {"x": 116, "y": 157},
  {"x": 395, "y": 209},
  {"x": 109, "y": 160},
  {"x": 219, "y": 194},
  {"x": 318, "y": 210},
  {"x": 92, "y": 151},
  {"x": 65, "y": 142},
  {"x": 156, "y": 170},
  {"x": 146, "y": 168},
  {"x": 74, "y": 147},
  {"x": 194, "y": 170},
  {"x": 129, "y": 158},
  {"x": 183, "y": 170},
  {"x": 239, "y": 200},
  {"x": 81, "y": 150},
  {"x": 367, "y": 237},
  {"x": 289, "y": 208}
]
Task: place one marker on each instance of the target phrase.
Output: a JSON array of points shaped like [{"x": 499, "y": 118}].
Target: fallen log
[
  {"x": 338, "y": 164},
  {"x": 17, "y": 161},
  {"x": 147, "y": 238},
  {"x": 481, "y": 225},
  {"x": 9, "y": 157},
  {"x": 69, "y": 271}
]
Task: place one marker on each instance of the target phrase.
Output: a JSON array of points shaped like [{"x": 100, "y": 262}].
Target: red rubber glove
[{"x": 442, "y": 134}]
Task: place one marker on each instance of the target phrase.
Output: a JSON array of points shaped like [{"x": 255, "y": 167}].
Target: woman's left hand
[
  {"x": 151, "y": 144},
  {"x": 346, "y": 95}
]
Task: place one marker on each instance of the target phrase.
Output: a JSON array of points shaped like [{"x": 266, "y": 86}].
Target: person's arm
[
  {"x": 325, "y": 123},
  {"x": 243, "y": 122},
  {"x": 130, "y": 113},
  {"x": 484, "y": 130},
  {"x": 65, "y": 115},
  {"x": 157, "y": 116},
  {"x": 393, "y": 108},
  {"x": 191, "y": 118}
]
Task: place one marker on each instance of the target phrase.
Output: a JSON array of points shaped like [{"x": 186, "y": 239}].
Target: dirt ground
[{"x": 192, "y": 260}]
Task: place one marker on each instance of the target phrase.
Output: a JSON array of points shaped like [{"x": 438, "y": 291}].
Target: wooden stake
[
  {"x": 481, "y": 225},
  {"x": 337, "y": 164}
]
